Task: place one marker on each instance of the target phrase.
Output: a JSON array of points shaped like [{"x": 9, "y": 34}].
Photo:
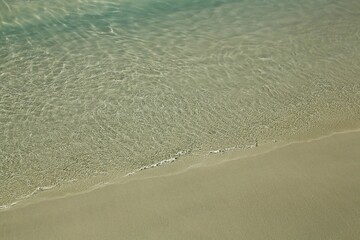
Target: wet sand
[{"x": 305, "y": 190}]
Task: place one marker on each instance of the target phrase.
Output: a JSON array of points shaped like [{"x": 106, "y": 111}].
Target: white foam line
[
  {"x": 38, "y": 189},
  {"x": 222, "y": 150},
  {"x": 23, "y": 197},
  {"x": 178, "y": 154},
  {"x": 8, "y": 205},
  {"x": 162, "y": 162}
]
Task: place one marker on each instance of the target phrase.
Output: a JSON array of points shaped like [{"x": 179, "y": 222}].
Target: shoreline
[
  {"x": 233, "y": 153},
  {"x": 305, "y": 190}
]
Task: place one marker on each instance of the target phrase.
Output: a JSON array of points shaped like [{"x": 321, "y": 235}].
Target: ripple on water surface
[{"x": 101, "y": 87}]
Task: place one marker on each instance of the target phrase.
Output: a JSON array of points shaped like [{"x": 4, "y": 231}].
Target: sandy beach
[
  {"x": 166, "y": 119},
  {"x": 308, "y": 190}
]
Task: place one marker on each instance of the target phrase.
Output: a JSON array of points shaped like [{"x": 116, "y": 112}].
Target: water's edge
[{"x": 218, "y": 154}]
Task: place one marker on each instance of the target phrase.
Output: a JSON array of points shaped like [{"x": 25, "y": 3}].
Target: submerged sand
[{"x": 307, "y": 190}]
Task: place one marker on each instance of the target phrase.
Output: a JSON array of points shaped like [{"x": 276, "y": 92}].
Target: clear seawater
[{"x": 90, "y": 88}]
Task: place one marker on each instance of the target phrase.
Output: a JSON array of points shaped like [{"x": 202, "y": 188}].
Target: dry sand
[{"x": 305, "y": 190}]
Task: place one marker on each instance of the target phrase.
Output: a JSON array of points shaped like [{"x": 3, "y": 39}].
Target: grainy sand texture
[{"x": 307, "y": 190}]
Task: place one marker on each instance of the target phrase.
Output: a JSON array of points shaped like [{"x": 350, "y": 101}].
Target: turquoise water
[{"x": 97, "y": 88}]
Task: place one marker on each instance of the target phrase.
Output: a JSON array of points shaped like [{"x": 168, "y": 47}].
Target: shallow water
[{"x": 91, "y": 88}]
